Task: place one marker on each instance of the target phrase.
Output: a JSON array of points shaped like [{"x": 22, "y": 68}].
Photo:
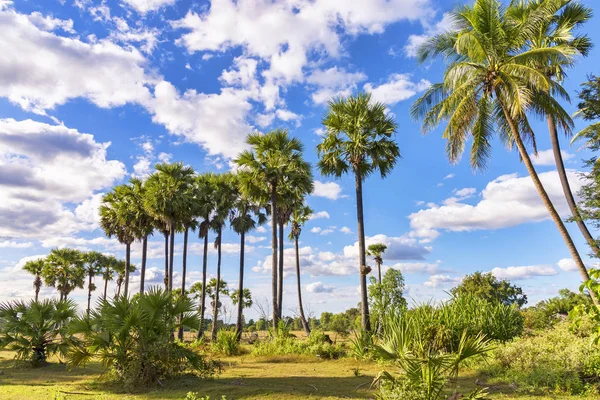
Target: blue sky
[{"x": 93, "y": 92}]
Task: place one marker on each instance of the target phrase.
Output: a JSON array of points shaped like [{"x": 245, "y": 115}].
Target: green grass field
[{"x": 243, "y": 377}]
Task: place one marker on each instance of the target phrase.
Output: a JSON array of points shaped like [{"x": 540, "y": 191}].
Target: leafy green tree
[
  {"x": 64, "y": 270},
  {"x": 325, "y": 320},
  {"x": 359, "y": 139},
  {"x": 275, "y": 158},
  {"x": 388, "y": 296},
  {"x": 589, "y": 109},
  {"x": 340, "y": 324},
  {"x": 95, "y": 263},
  {"x": 376, "y": 251},
  {"x": 489, "y": 87},
  {"x": 36, "y": 268},
  {"x": 300, "y": 215},
  {"x": 36, "y": 330},
  {"x": 487, "y": 287}
]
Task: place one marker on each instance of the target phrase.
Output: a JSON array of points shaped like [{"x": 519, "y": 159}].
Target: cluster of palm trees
[
  {"x": 506, "y": 64},
  {"x": 68, "y": 269}
]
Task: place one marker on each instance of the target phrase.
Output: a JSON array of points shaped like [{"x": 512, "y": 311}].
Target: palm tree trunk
[
  {"x": 143, "y": 268},
  {"x": 127, "y": 266},
  {"x": 364, "y": 304},
  {"x": 89, "y": 300},
  {"x": 171, "y": 254},
  {"x": 203, "y": 299},
  {"x": 280, "y": 274},
  {"x": 119, "y": 288},
  {"x": 274, "y": 253},
  {"x": 562, "y": 174},
  {"x": 183, "y": 272},
  {"x": 379, "y": 271},
  {"x": 238, "y": 324},
  {"x": 300, "y": 307},
  {"x": 37, "y": 284},
  {"x": 548, "y": 203},
  {"x": 213, "y": 333},
  {"x": 105, "y": 284},
  {"x": 166, "y": 234}
]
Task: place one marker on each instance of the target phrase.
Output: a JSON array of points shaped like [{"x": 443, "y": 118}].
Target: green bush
[
  {"x": 555, "y": 360},
  {"x": 283, "y": 343},
  {"x": 227, "y": 342}
]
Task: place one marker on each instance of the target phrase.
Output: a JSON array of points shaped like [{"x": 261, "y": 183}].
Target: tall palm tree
[
  {"x": 120, "y": 268},
  {"x": 274, "y": 159},
  {"x": 491, "y": 84},
  {"x": 224, "y": 197},
  {"x": 95, "y": 264},
  {"x": 359, "y": 139},
  {"x": 35, "y": 268},
  {"x": 166, "y": 200},
  {"x": 64, "y": 270},
  {"x": 376, "y": 251},
  {"x": 144, "y": 223},
  {"x": 108, "y": 273},
  {"x": 300, "y": 215},
  {"x": 245, "y": 217},
  {"x": 204, "y": 188},
  {"x": 118, "y": 219}
]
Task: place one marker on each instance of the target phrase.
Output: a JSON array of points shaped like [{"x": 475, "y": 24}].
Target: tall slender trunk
[
  {"x": 203, "y": 298},
  {"x": 213, "y": 332},
  {"x": 143, "y": 267},
  {"x": 127, "y": 266},
  {"x": 564, "y": 181},
  {"x": 171, "y": 254},
  {"x": 362, "y": 258},
  {"x": 166, "y": 234},
  {"x": 379, "y": 271},
  {"x": 238, "y": 324},
  {"x": 89, "y": 300},
  {"x": 300, "y": 307},
  {"x": 274, "y": 254},
  {"x": 37, "y": 284},
  {"x": 183, "y": 273},
  {"x": 105, "y": 284},
  {"x": 119, "y": 283},
  {"x": 280, "y": 274},
  {"x": 547, "y": 202}
]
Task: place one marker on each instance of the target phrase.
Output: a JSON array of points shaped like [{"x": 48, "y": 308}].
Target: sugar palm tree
[
  {"x": 64, "y": 270},
  {"x": 360, "y": 140},
  {"x": 118, "y": 219},
  {"x": 35, "y": 268},
  {"x": 274, "y": 159},
  {"x": 376, "y": 251},
  {"x": 204, "y": 188},
  {"x": 108, "y": 273},
  {"x": 120, "y": 268},
  {"x": 300, "y": 215},
  {"x": 166, "y": 200},
  {"x": 144, "y": 223},
  {"x": 95, "y": 263},
  {"x": 558, "y": 29},
  {"x": 224, "y": 197},
  {"x": 245, "y": 217},
  {"x": 491, "y": 85}
]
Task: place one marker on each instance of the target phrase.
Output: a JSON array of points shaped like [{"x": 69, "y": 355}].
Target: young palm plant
[
  {"x": 299, "y": 217},
  {"x": 35, "y": 268},
  {"x": 490, "y": 85},
  {"x": 376, "y": 251},
  {"x": 360, "y": 140}
]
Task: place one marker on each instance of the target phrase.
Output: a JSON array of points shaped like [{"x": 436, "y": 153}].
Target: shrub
[
  {"x": 361, "y": 344},
  {"x": 227, "y": 342},
  {"x": 318, "y": 344},
  {"x": 36, "y": 330},
  {"x": 554, "y": 360},
  {"x": 133, "y": 338}
]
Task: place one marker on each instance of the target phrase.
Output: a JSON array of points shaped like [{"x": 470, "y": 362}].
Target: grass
[{"x": 243, "y": 377}]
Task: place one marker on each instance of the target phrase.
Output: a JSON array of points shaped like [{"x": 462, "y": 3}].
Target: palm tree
[
  {"x": 64, "y": 270},
  {"x": 204, "y": 187},
  {"x": 245, "y": 303},
  {"x": 300, "y": 215},
  {"x": 118, "y": 219},
  {"x": 491, "y": 84},
  {"x": 274, "y": 159},
  {"x": 108, "y": 273},
  {"x": 35, "y": 268},
  {"x": 144, "y": 223},
  {"x": 95, "y": 263},
  {"x": 224, "y": 197},
  {"x": 245, "y": 217},
  {"x": 165, "y": 200},
  {"x": 120, "y": 267},
  {"x": 376, "y": 251},
  {"x": 360, "y": 140}
]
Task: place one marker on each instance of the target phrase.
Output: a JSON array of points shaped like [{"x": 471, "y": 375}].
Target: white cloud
[
  {"x": 255, "y": 239},
  {"x": 398, "y": 248},
  {"x": 320, "y": 215},
  {"x": 144, "y": 6},
  {"x": 329, "y": 190},
  {"x": 449, "y": 176},
  {"x": 523, "y": 272},
  {"x": 546, "y": 157},
  {"x": 414, "y": 41},
  {"x": 441, "y": 280},
  {"x": 316, "y": 229},
  {"x": 345, "y": 230},
  {"x": 399, "y": 87},
  {"x": 507, "y": 201},
  {"x": 9, "y": 244},
  {"x": 567, "y": 264},
  {"x": 332, "y": 83},
  {"x": 319, "y": 287},
  {"x": 261, "y": 229},
  {"x": 418, "y": 267},
  {"x": 48, "y": 23}
]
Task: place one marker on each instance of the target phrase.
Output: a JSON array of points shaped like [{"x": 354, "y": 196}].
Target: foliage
[
  {"x": 246, "y": 298},
  {"x": 36, "y": 330},
  {"x": 589, "y": 109},
  {"x": 64, "y": 270},
  {"x": 486, "y": 286},
  {"x": 553, "y": 360},
  {"x": 196, "y": 396},
  {"x": 361, "y": 344},
  {"x": 548, "y": 312},
  {"x": 388, "y": 296},
  {"x": 227, "y": 342},
  {"x": 132, "y": 338}
]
